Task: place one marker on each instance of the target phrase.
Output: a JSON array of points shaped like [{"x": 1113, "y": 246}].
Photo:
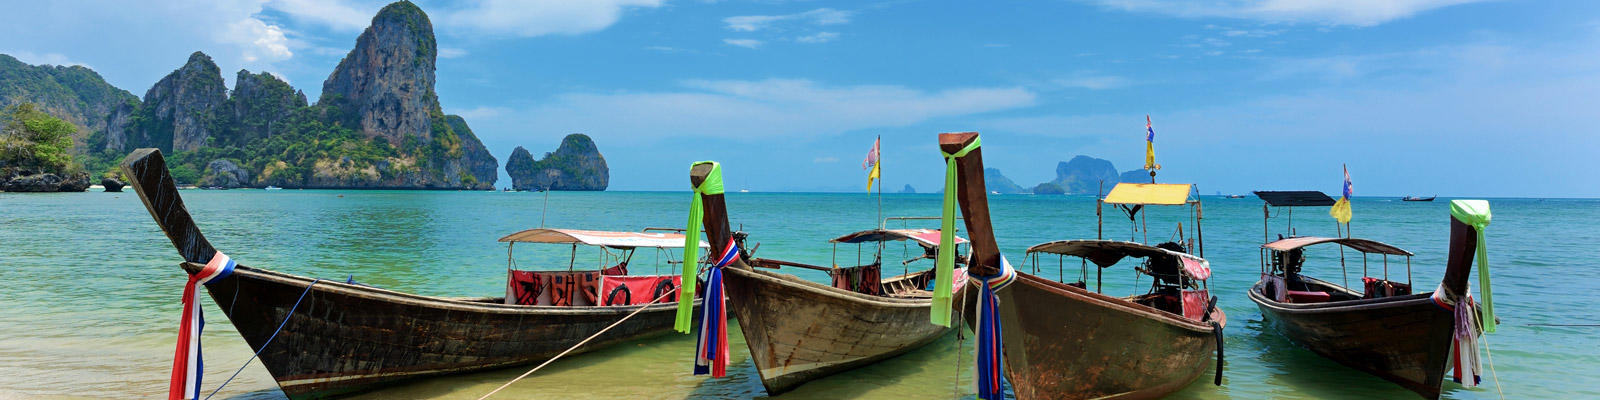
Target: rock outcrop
[
  {"x": 1135, "y": 176},
  {"x": 1084, "y": 175},
  {"x": 112, "y": 184},
  {"x": 176, "y": 112},
  {"x": 997, "y": 183},
  {"x": 576, "y": 165},
  {"x": 224, "y": 173},
  {"x": 385, "y": 84},
  {"x": 46, "y": 182},
  {"x": 908, "y": 189}
]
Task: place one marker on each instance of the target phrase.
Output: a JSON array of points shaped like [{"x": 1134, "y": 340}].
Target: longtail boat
[
  {"x": 1383, "y": 329},
  {"x": 798, "y": 330},
  {"x": 321, "y": 338},
  {"x": 1061, "y": 341},
  {"x": 1418, "y": 198}
]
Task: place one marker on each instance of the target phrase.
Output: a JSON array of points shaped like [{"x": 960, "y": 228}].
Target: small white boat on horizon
[{"x": 270, "y": 187}]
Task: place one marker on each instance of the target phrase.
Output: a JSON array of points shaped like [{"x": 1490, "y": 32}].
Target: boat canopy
[
  {"x": 1357, "y": 244},
  {"x": 1165, "y": 194},
  {"x": 621, "y": 240},
  {"x": 1294, "y": 198},
  {"x": 1106, "y": 253},
  {"x": 925, "y": 237}
]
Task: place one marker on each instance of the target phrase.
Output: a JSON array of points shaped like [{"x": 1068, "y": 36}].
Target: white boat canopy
[{"x": 621, "y": 240}]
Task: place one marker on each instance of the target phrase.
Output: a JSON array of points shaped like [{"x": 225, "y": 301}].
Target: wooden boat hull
[
  {"x": 799, "y": 330},
  {"x": 1403, "y": 339},
  {"x": 1062, "y": 342},
  {"x": 348, "y": 338}
]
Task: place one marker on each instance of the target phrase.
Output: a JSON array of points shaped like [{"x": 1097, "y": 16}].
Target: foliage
[{"x": 33, "y": 140}]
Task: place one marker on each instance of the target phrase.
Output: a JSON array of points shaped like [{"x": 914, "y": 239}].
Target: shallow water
[{"x": 90, "y": 288}]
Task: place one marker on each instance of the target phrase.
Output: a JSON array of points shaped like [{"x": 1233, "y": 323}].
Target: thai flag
[
  {"x": 1347, "y": 182},
  {"x": 1150, "y": 132},
  {"x": 711, "y": 351},
  {"x": 187, "y": 365},
  {"x": 872, "y": 156}
]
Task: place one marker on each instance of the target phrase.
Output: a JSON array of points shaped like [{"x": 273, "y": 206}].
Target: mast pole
[{"x": 881, "y": 222}]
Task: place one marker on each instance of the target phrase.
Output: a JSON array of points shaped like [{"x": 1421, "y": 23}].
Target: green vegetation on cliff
[{"x": 31, "y": 140}]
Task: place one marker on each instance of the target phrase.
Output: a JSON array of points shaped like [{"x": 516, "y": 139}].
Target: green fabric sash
[
  {"x": 1476, "y": 214},
  {"x": 691, "y": 245},
  {"x": 947, "y": 239}
]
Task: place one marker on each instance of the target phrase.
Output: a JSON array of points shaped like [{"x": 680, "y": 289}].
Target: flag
[
  {"x": 1149, "y": 145},
  {"x": 871, "y": 163},
  {"x": 1341, "y": 209}
]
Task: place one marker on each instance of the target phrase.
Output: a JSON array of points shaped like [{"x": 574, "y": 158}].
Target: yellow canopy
[{"x": 1169, "y": 194}]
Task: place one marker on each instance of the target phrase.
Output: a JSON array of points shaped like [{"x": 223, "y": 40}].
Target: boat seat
[
  {"x": 1297, "y": 296},
  {"x": 911, "y": 293}
]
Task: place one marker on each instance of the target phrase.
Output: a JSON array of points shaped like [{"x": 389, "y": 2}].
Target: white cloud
[
  {"x": 820, "y": 16},
  {"x": 1091, "y": 82},
  {"x": 538, "y": 18},
  {"x": 820, "y": 37},
  {"x": 260, "y": 42},
  {"x": 746, "y": 43},
  {"x": 1334, "y": 12},
  {"x": 765, "y": 108},
  {"x": 451, "y": 52},
  {"x": 336, "y": 14},
  {"x": 482, "y": 112},
  {"x": 43, "y": 58}
]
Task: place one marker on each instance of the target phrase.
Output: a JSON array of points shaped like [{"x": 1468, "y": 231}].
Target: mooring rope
[
  {"x": 576, "y": 346},
  {"x": 269, "y": 338},
  {"x": 1492, "y": 373},
  {"x": 961, "y": 321}
]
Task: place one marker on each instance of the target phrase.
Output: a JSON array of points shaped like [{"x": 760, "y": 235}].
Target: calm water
[{"x": 89, "y": 286}]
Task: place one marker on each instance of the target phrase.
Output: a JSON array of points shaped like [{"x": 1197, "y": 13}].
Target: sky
[{"x": 1445, "y": 97}]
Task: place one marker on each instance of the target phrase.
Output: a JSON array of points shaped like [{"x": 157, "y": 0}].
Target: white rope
[
  {"x": 1492, "y": 373},
  {"x": 576, "y": 346}
]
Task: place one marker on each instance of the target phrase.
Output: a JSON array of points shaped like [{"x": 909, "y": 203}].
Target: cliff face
[
  {"x": 385, "y": 85},
  {"x": 259, "y": 101},
  {"x": 576, "y": 165},
  {"x": 75, "y": 94},
  {"x": 995, "y": 182},
  {"x": 176, "y": 111}
]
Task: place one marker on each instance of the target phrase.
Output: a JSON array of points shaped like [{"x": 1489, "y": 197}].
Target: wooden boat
[
  {"x": 798, "y": 330},
  {"x": 348, "y": 337},
  {"x": 1384, "y": 329},
  {"x": 1417, "y": 198},
  {"x": 1064, "y": 342}
]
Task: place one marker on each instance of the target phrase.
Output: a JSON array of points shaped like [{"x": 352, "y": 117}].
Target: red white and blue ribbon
[
  {"x": 991, "y": 349},
  {"x": 187, "y": 367},
  {"x": 711, "y": 351}
]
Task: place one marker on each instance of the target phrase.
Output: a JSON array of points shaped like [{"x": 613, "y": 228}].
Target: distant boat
[
  {"x": 270, "y": 187},
  {"x": 744, "y": 190},
  {"x": 1235, "y": 196},
  {"x": 1417, "y": 198}
]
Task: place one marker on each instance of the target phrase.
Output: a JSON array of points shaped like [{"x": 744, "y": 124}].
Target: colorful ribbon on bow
[
  {"x": 990, "y": 346},
  {"x": 711, "y": 352},
  {"x": 691, "y": 245},
  {"x": 187, "y": 367},
  {"x": 945, "y": 267}
]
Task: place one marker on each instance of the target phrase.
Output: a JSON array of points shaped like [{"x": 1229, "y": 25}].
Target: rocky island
[
  {"x": 378, "y": 123},
  {"x": 575, "y": 165}
]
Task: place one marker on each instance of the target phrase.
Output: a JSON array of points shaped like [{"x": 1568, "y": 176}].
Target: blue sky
[{"x": 1448, "y": 97}]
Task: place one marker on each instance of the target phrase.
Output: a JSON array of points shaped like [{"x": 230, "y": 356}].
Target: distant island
[
  {"x": 575, "y": 165},
  {"x": 1080, "y": 175},
  {"x": 908, "y": 189},
  {"x": 378, "y": 123}
]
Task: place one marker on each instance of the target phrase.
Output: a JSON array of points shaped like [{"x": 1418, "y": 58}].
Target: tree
[{"x": 32, "y": 139}]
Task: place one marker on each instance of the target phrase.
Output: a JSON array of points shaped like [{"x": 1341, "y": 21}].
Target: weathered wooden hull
[
  {"x": 799, "y": 330},
  {"x": 1062, "y": 342},
  {"x": 1403, "y": 339},
  {"x": 348, "y": 338}
]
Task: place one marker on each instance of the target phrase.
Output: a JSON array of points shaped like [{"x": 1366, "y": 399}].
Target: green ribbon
[
  {"x": 1476, "y": 214},
  {"x": 946, "y": 265},
  {"x": 691, "y": 245}
]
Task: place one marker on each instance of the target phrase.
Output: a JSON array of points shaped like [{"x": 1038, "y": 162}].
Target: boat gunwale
[
  {"x": 799, "y": 283},
  {"x": 458, "y": 303},
  {"x": 1337, "y": 306},
  {"x": 1119, "y": 304}
]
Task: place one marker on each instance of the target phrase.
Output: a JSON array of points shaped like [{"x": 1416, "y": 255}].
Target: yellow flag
[
  {"x": 871, "y": 163},
  {"x": 872, "y": 176},
  {"x": 1341, "y": 210}
]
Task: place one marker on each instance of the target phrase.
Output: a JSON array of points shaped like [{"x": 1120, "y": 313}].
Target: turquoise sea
[{"x": 89, "y": 287}]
